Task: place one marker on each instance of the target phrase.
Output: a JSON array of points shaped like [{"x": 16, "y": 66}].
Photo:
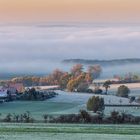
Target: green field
[
  {"x": 9, "y": 131},
  {"x": 38, "y": 108},
  {"x": 64, "y": 103}
]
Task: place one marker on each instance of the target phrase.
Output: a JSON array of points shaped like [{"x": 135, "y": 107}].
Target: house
[
  {"x": 9, "y": 91},
  {"x": 16, "y": 87},
  {"x": 3, "y": 94}
]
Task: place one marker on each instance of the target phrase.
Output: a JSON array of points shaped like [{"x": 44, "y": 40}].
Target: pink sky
[{"x": 69, "y": 10}]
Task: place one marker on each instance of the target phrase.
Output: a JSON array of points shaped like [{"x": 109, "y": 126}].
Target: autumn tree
[
  {"x": 72, "y": 84},
  {"x": 56, "y": 76},
  {"x": 88, "y": 78},
  {"x": 95, "y": 71},
  {"x": 43, "y": 81},
  {"x": 64, "y": 80},
  {"x": 76, "y": 70},
  {"x": 35, "y": 81},
  {"x": 75, "y": 82}
]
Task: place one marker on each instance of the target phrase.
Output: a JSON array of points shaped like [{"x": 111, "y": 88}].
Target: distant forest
[{"x": 103, "y": 62}]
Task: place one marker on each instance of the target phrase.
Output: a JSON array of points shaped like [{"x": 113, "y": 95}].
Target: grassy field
[
  {"x": 37, "y": 109},
  {"x": 133, "y": 92},
  {"x": 68, "y": 132},
  {"x": 64, "y": 103}
]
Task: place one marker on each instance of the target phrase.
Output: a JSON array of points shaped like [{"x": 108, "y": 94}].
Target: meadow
[
  {"x": 37, "y": 109},
  {"x": 133, "y": 92},
  {"x": 64, "y": 103},
  {"x": 41, "y": 131}
]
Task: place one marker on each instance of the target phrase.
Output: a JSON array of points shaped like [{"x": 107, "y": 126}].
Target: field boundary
[{"x": 127, "y": 105}]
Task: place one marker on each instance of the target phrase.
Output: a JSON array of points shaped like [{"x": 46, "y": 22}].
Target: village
[{"x": 11, "y": 91}]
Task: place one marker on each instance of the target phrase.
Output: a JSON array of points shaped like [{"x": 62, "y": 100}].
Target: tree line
[
  {"x": 83, "y": 116},
  {"x": 77, "y": 79}
]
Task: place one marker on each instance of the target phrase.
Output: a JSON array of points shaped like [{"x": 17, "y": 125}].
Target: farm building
[
  {"x": 16, "y": 86},
  {"x": 3, "y": 94},
  {"x": 10, "y": 90}
]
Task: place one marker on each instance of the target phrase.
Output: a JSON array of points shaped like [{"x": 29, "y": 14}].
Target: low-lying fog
[{"x": 39, "y": 48}]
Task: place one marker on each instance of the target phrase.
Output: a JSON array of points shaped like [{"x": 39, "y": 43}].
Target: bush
[
  {"x": 22, "y": 118},
  {"x": 82, "y": 87},
  {"x": 132, "y": 99},
  {"x": 98, "y": 91},
  {"x": 45, "y": 117},
  {"x": 8, "y": 118},
  {"x": 85, "y": 117},
  {"x": 123, "y": 91},
  {"x": 116, "y": 117},
  {"x": 95, "y": 104}
]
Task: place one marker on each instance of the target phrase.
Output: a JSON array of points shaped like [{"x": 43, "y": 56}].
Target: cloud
[{"x": 27, "y": 48}]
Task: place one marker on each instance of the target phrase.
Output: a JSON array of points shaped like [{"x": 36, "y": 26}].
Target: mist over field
[{"x": 39, "y": 48}]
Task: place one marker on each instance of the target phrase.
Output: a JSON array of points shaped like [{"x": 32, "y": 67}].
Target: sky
[
  {"x": 37, "y": 34},
  {"x": 69, "y": 10}
]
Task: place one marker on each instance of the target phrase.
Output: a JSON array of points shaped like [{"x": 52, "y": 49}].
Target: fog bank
[{"x": 40, "y": 48}]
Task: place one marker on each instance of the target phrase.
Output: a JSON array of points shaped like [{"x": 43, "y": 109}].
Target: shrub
[
  {"x": 138, "y": 100},
  {"x": 45, "y": 116},
  {"x": 132, "y": 99},
  {"x": 84, "y": 115},
  {"x": 98, "y": 91},
  {"x": 8, "y": 118},
  {"x": 95, "y": 104},
  {"x": 115, "y": 116},
  {"x": 123, "y": 91}
]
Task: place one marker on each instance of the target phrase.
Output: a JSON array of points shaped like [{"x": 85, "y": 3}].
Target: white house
[{"x": 3, "y": 94}]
